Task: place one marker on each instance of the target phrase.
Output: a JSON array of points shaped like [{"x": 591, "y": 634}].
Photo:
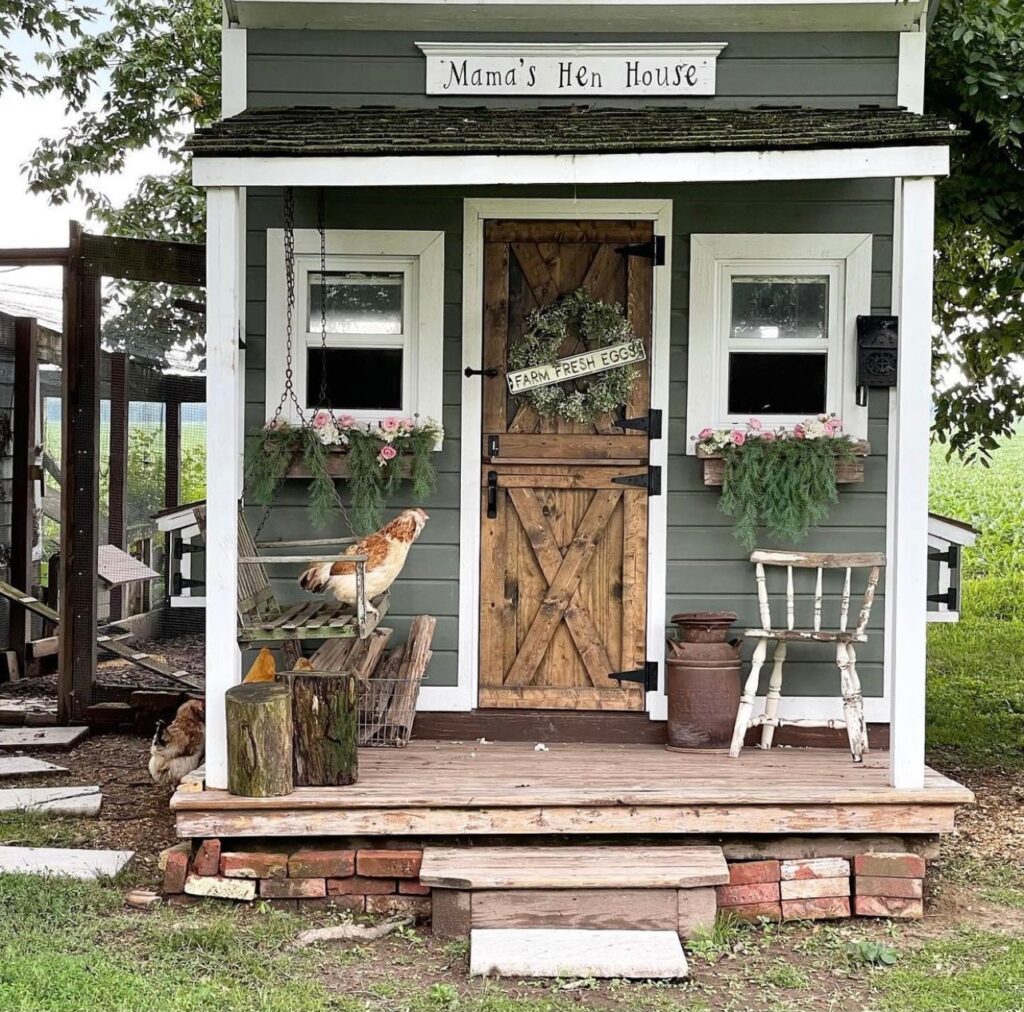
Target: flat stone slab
[
  {"x": 25, "y": 766},
  {"x": 83, "y": 864},
  {"x": 40, "y": 737},
  {"x": 572, "y": 952},
  {"x": 59, "y": 800}
]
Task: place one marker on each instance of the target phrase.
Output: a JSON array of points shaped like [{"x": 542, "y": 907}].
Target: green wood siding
[{"x": 706, "y": 567}]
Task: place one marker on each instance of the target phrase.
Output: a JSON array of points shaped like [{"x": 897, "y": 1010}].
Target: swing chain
[
  {"x": 288, "y": 394},
  {"x": 321, "y": 224}
]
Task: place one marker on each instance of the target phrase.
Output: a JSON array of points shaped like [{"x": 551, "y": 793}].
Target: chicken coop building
[{"x": 754, "y": 184}]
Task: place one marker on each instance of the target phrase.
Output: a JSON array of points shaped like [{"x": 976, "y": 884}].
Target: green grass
[
  {"x": 975, "y": 667},
  {"x": 37, "y": 829}
]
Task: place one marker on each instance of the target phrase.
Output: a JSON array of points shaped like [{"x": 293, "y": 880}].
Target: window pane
[
  {"x": 358, "y": 379},
  {"x": 356, "y": 303},
  {"x": 783, "y": 383},
  {"x": 780, "y": 307}
]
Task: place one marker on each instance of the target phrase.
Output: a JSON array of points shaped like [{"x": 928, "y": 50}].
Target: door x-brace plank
[{"x": 563, "y": 587}]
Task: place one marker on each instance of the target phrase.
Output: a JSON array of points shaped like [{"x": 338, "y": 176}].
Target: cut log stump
[
  {"x": 325, "y": 720},
  {"x": 259, "y": 721}
]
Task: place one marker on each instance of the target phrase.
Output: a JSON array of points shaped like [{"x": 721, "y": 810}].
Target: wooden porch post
[
  {"x": 225, "y": 303},
  {"x": 23, "y": 521},
  {"x": 910, "y": 416}
]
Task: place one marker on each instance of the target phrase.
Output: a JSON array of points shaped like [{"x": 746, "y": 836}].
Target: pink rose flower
[
  {"x": 390, "y": 424},
  {"x": 388, "y": 453},
  {"x": 346, "y": 422},
  {"x": 768, "y": 436},
  {"x": 738, "y": 437},
  {"x": 408, "y": 423},
  {"x": 706, "y": 433},
  {"x": 830, "y": 427},
  {"x": 755, "y": 424},
  {"x": 321, "y": 419},
  {"x": 798, "y": 432}
]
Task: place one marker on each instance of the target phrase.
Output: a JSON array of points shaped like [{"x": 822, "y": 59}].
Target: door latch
[
  {"x": 492, "y": 495},
  {"x": 469, "y": 372}
]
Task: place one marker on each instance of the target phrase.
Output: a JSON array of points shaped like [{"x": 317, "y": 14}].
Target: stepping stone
[
  {"x": 41, "y": 737},
  {"x": 83, "y": 864},
  {"x": 58, "y": 800},
  {"x": 576, "y": 952},
  {"x": 25, "y": 766}
]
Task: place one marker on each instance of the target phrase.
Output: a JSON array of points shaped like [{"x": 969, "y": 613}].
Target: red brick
[
  {"x": 245, "y": 864},
  {"x": 888, "y": 906},
  {"x": 815, "y": 867},
  {"x": 292, "y": 888},
  {"x": 815, "y": 888},
  {"x": 407, "y": 887},
  {"x": 876, "y": 885},
  {"x": 357, "y": 885},
  {"x": 889, "y": 865},
  {"x": 754, "y": 872},
  {"x": 176, "y": 872},
  {"x": 410, "y": 906},
  {"x": 389, "y": 863},
  {"x": 321, "y": 863},
  {"x": 741, "y": 895},
  {"x": 754, "y": 911},
  {"x": 824, "y": 908},
  {"x": 207, "y": 859}
]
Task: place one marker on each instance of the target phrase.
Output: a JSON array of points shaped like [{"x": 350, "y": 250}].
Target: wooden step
[
  {"x": 573, "y": 867},
  {"x": 569, "y": 952}
]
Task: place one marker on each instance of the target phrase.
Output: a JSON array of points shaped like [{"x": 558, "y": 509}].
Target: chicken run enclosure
[{"x": 103, "y": 419}]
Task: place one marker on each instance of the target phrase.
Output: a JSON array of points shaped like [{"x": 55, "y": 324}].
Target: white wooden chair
[{"x": 842, "y": 636}]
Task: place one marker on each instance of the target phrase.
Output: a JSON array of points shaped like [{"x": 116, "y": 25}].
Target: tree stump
[
  {"x": 325, "y": 723},
  {"x": 259, "y": 720}
]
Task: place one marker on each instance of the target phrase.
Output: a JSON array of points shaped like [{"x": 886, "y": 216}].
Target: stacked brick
[
  {"x": 888, "y": 885},
  {"x": 375, "y": 881},
  {"x": 883, "y": 885}
]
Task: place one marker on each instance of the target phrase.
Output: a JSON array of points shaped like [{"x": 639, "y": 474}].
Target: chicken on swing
[{"x": 386, "y": 551}]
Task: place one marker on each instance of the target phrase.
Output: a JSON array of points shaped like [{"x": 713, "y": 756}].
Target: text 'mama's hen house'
[{"x": 486, "y": 159}]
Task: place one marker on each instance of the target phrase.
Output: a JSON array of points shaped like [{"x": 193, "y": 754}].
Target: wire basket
[{"x": 387, "y": 707}]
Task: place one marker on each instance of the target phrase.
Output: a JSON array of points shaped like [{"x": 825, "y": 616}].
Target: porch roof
[{"x": 305, "y": 131}]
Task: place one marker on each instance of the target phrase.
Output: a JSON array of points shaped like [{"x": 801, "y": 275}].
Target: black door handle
[{"x": 469, "y": 372}]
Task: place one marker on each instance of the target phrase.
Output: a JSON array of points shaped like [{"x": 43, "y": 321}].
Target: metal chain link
[{"x": 321, "y": 224}]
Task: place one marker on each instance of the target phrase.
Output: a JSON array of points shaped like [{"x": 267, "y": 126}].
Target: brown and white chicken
[
  {"x": 178, "y": 747},
  {"x": 386, "y": 551}
]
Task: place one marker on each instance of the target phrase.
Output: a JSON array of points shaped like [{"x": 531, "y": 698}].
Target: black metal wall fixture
[{"x": 877, "y": 353}]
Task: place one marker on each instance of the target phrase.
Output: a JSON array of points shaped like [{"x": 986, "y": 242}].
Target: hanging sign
[
  {"x": 575, "y": 366},
  {"x": 628, "y": 68}
]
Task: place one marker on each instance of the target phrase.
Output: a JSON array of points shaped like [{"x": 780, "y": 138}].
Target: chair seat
[{"x": 806, "y": 635}]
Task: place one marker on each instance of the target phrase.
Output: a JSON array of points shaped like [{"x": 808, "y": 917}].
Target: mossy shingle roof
[{"x": 376, "y": 130}]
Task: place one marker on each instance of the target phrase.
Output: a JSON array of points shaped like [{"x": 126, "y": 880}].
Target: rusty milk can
[{"x": 702, "y": 680}]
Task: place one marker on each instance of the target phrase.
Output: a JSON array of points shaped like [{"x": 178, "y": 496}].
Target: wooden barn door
[{"x": 563, "y": 564}]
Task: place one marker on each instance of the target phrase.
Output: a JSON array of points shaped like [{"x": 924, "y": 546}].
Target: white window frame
[
  {"x": 418, "y": 256},
  {"x": 715, "y": 260}
]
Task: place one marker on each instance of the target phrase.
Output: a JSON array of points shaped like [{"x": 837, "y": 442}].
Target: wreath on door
[{"x": 599, "y": 325}]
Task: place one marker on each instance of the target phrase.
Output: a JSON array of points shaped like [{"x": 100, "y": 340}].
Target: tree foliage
[{"x": 976, "y": 77}]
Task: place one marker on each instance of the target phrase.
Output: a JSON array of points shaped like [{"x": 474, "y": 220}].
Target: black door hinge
[
  {"x": 649, "y": 479},
  {"x": 182, "y": 548},
  {"x": 653, "y": 250},
  {"x": 649, "y": 423},
  {"x": 179, "y": 583},
  {"x": 951, "y": 557},
  {"x": 949, "y": 598},
  {"x": 647, "y": 676},
  {"x": 492, "y": 495},
  {"x": 492, "y": 446}
]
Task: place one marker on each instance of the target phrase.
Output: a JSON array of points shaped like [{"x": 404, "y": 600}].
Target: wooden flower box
[
  {"x": 847, "y": 472},
  {"x": 338, "y": 465}
]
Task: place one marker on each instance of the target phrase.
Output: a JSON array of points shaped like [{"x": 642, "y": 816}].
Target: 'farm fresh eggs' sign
[
  {"x": 495, "y": 68},
  {"x": 584, "y": 364}
]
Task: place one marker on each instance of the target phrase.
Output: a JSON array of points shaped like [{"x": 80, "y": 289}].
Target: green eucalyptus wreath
[{"x": 599, "y": 324}]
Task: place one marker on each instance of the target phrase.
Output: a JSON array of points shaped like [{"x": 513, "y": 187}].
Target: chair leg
[
  {"x": 746, "y": 707},
  {"x": 853, "y": 701},
  {"x": 771, "y": 703}
]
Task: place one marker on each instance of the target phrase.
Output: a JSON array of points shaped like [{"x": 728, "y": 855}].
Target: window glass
[
  {"x": 356, "y": 302},
  {"x": 772, "y": 308},
  {"x": 358, "y": 379},
  {"x": 779, "y": 383}
]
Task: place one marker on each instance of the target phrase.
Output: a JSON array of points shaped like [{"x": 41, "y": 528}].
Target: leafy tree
[{"x": 976, "y": 77}]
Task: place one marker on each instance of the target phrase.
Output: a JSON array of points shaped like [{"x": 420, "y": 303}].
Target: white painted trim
[
  {"x": 225, "y": 267},
  {"x": 910, "y": 82},
  {"x": 647, "y": 167},
  {"x": 907, "y": 585},
  {"x": 954, "y": 533},
  {"x": 475, "y": 212},
  {"x": 234, "y": 72},
  {"x": 876, "y": 708},
  {"x": 420, "y": 253},
  {"x": 713, "y": 257}
]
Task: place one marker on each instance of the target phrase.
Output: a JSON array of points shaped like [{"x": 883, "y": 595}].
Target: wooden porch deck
[{"x": 441, "y": 788}]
